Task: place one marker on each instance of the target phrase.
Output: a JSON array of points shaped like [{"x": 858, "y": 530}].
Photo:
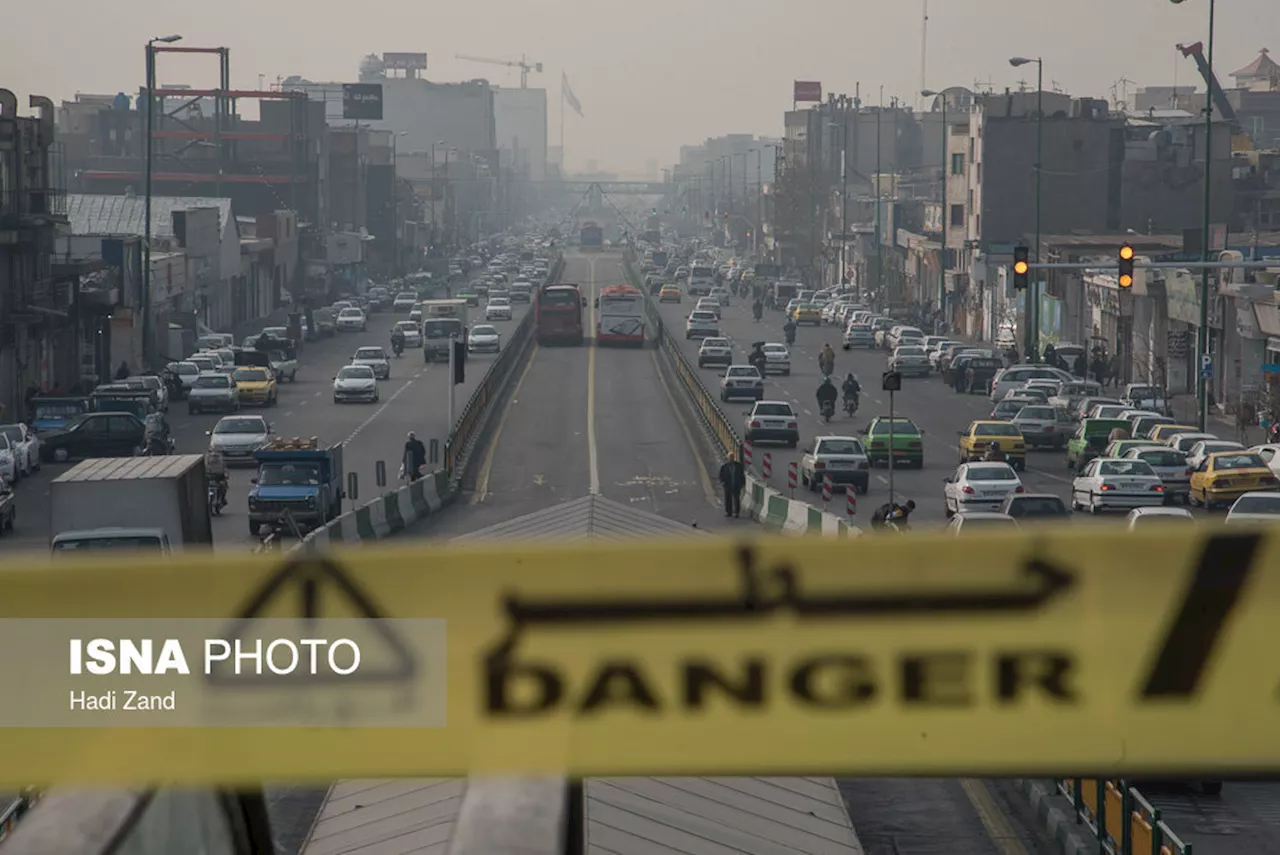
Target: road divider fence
[
  {"x": 764, "y": 504},
  {"x": 1120, "y": 818}
]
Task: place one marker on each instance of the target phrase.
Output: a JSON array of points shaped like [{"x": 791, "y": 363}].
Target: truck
[
  {"x": 442, "y": 320},
  {"x": 156, "y": 504},
  {"x": 299, "y": 477}
]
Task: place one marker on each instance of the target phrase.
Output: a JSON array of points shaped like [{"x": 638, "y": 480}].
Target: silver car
[
  {"x": 355, "y": 383},
  {"x": 1172, "y": 468},
  {"x": 910, "y": 360},
  {"x": 1043, "y": 426},
  {"x": 715, "y": 351},
  {"x": 213, "y": 391},
  {"x": 236, "y": 438},
  {"x": 375, "y": 358},
  {"x": 840, "y": 458},
  {"x": 741, "y": 381},
  {"x": 777, "y": 359}
]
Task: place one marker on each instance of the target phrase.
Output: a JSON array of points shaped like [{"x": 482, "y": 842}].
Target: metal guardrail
[
  {"x": 14, "y": 811},
  {"x": 1121, "y": 819}
]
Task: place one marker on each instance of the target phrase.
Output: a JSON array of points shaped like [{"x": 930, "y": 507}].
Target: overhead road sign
[{"x": 1117, "y": 654}]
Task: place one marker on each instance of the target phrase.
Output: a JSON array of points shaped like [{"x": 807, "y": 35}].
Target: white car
[
  {"x": 841, "y": 458},
  {"x": 1257, "y": 506},
  {"x": 1184, "y": 442},
  {"x": 900, "y": 335},
  {"x": 1200, "y": 452},
  {"x": 375, "y": 358},
  {"x": 741, "y": 381},
  {"x": 25, "y": 444},
  {"x": 1018, "y": 375},
  {"x": 1108, "y": 484},
  {"x": 412, "y": 332},
  {"x": 498, "y": 309},
  {"x": 708, "y": 304},
  {"x": 404, "y": 301},
  {"x": 979, "y": 487},
  {"x": 355, "y": 383},
  {"x": 352, "y": 320},
  {"x": 772, "y": 421},
  {"x": 715, "y": 351},
  {"x": 971, "y": 521},
  {"x": 857, "y": 334},
  {"x": 484, "y": 339},
  {"x": 701, "y": 323},
  {"x": 1145, "y": 517},
  {"x": 777, "y": 359},
  {"x": 9, "y": 471},
  {"x": 910, "y": 360},
  {"x": 236, "y": 438}
]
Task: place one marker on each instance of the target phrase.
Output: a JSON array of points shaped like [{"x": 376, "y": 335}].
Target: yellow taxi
[
  {"x": 975, "y": 439},
  {"x": 670, "y": 294},
  {"x": 1226, "y": 476},
  {"x": 807, "y": 313},
  {"x": 257, "y": 385},
  {"x": 1161, "y": 433}
]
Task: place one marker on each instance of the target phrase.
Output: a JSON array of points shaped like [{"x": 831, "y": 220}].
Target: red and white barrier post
[
  {"x": 746, "y": 454},
  {"x": 793, "y": 477},
  {"x": 766, "y": 465},
  {"x": 826, "y": 490},
  {"x": 850, "y": 500}
]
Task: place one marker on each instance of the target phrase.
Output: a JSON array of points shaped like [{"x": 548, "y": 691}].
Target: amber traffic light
[
  {"x": 1021, "y": 267},
  {"x": 1126, "y": 266}
]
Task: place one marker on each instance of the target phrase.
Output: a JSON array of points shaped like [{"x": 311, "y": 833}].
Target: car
[
  {"x": 970, "y": 373},
  {"x": 1107, "y": 411},
  {"x": 255, "y": 385},
  {"x": 1258, "y": 506},
  {"x": 1221, "y": 477},
  {"x": 1029, "y": 393},
  {"x": 94, "y": 435},
  {"x": 376, "y": 358},
  {"x": 283, "y": 364},
  {"x": 1147, "y": 397},
  {"x": 857, "y": 335},
  {"x": 484, "y": 338},
  {"x": 898, "y": 438},
  {"x": 1018, "y": 375},
  {"x": 1005, "y": 410},
  {"x": 777, "y": 359},
  {"x": 213, "y": 391},
  {"x": 1145, "y": 517},
  {"x": 1184, "y": 442},
  {"x": 1090, "y": 439},
  {"x": 521, "y": 291},
  {"x": 741, "y": 381},
  {"x": 411, "y": 331},
  {"x": 670, "y": 294},
  {"x": 1069, "y": 394},
  {"x": 10, "y": 471},
  {"x": 352, "y": 320},
  {"x": 1201, "y": 451},
  {"x": 807, "y": 313},
  {"x": 840, "y": 458},
  {"x": 1106, "y": 483},
  {"x": 404, "y": 301},
  {"x": 1040, "y": 507},
  {"x": 355, "y": 383},
  {"x": 701, "y": 323},
  {"x": 979, "y": 486},
  {"x": 1118, "y": 447},
  {"x": 706, "y": 304},
  {"x": 902, "y": 335},
  {"x": 978, "y": 436},
  {"x": 1087, "y": 404},
  {"x": 498, "y": 309},
  {"x": 720, "y": 295},
  {"x": 237, "y": 437},
  {"x": 1043, "y": 426},
  {"x": 26, "y": 446},
  {"x": 910, "y": 360},
  {"x": 715, "y": 351},
  {"x": 772, "y": 421},
  {"x": 980, "y": 521}
]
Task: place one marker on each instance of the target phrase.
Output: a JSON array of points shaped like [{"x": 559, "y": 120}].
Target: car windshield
[
  {"x": 213, "y": 381},
  {"x": 744, "y": 371},
  {"x": 991, "y": 473},
  {"x": 251, "y": 375},
  {"x": 350, "y": 313},
  {"x": 911, "y": 351},
  {"x": 715, "y": 342},
  {"x": 996, "y": 429},
  {"x": 241, "y": 425},
  {"x": 900, "y": 427},
  {"x": 370, "y": 353},
  {"x": 773, "y": 410},
  {"x": 1161, "y": 457},
  {"x": 1043, "y": 413},
  {"x": 1125, "y": 467},
  {"x": 1144, "y": 393},
  {"x": 139, "y": 542},
  {"x": 839, "y": 446},
  {"x": 499, "y": 301},
  {"x": 11, "y": 433},
  {"x": 702, "y": 316},
  {"x": 1237, "y": 461},
  {"x": 356, "y": 372},
  {"x": 910, "y": 333},
  {"x": 186, "y": 368},
  {"x": 407, "y": 326},
  {"x": 774, "y": 348},
  {"x": 1257, "y": 504},
  {"x": 983, "y": 522},
  {"x": 1037, "y": 506},
  {"x": 289, "y": 474}
]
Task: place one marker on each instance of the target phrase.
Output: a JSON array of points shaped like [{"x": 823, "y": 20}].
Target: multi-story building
[{"x": 520, "y": 130}]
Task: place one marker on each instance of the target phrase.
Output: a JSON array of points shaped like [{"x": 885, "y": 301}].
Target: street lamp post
[
  {"x": 945, "y": 221},
  {"x": 879, "y": 181},
  {"x": 147, "y": 333},
  {"x": 1033, "y": 289},
  {"x": 434, "y": 190}
]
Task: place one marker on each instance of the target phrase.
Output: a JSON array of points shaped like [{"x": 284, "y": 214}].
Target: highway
[{"x": 414, "y": 398}]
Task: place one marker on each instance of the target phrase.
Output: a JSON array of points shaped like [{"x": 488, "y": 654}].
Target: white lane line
[
  {"x": 593, "y": 459},
  {"x": 288, "y": 413},
  {"x": 364, "y": 424},
  {"x": 315, "y": 394}
]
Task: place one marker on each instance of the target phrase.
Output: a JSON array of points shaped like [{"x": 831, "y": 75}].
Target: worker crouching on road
[{"x": 733, "y": 477}]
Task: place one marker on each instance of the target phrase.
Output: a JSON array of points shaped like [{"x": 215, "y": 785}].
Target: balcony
[{"x": 21, "y": 209}]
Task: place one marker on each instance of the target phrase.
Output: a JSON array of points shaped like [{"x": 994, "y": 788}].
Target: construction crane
[
  {"x": 523, "y": 64},
  {"x": 1240, "y": 140}
]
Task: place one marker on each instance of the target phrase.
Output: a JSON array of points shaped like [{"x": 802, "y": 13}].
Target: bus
[
  {"x": 620, "y": 316},
  {"x": 591, "y": 236},
  {"x": 558, "y": 314}
]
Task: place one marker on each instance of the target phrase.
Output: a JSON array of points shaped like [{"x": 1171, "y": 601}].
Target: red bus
[
  {"x": 558, "y": 314},
  {"x": 591, "y": 236},
  {"x": 620, "y": 316}
]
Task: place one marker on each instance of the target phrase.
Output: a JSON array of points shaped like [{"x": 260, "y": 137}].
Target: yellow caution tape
[{"x": 1113, "y": 654}]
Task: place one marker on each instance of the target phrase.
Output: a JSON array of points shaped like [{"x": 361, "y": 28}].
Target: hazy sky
[{"x": 651, "y": 75}]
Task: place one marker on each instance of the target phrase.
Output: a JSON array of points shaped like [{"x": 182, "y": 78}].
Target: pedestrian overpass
[{"x": 619, "y": 188}]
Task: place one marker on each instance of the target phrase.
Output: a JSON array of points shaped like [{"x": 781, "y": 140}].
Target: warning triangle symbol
[{"x": 301, "y": 580}]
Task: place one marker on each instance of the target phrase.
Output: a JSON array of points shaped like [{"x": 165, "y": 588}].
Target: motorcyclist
[
  {"x": 892, "y": 512},
  {"x": 789, "y": 330},
  {"x": 851, "y": 388},
  {"x": 994, "y": 454},
  {"x": 216, "y": 471},
  {"x": 156, "y": 437},
  {"x": 827, "y": 360},
  {"x": 827, "y": 394},
  {"x": 757, "y": 310},
  {"x": 757, "y": 358},
  {"x": 397, "y": 341}
]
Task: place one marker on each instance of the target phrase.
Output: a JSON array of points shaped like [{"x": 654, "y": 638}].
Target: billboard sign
[
  {"x": 362, "y": 101},
  {"x": 807, "y": 90},
  {"x": 404, "y": 61}
]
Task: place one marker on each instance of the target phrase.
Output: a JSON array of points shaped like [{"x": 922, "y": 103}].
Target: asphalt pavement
[{"x": 414, "y": 398}]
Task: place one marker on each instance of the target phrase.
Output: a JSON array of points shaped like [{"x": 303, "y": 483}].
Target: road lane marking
[
  {"x": 364, "y": 424},
  {"x": 482, "y": 481},
  {"x": 593, "y": 460},
  {"x": 288, "y": 413},
  {"x": 704, "y": 477},
  {"x": 993, "y": 819}
]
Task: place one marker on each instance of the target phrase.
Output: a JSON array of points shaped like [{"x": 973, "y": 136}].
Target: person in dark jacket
[
  {"x": 122, "y": 373},
  {"x": 415, "y": 457},
  {"x": 733, "y": 477}
]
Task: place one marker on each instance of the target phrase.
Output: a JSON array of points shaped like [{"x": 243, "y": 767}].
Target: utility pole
[
  {"x": 1032, "y": 312},
  {"x": 879, "y": 263},
  {"x": 1205, "y": 341},
  {"x": 844, "y": 197}
]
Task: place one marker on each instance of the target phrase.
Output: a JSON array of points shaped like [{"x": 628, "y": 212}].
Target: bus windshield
[{"x": 559, "y": 297}]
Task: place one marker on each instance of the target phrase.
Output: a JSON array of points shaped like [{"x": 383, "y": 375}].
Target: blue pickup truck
[{"x": 300, "y": 477}]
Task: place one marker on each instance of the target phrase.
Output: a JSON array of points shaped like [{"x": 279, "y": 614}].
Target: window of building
[
  {"x": 971, "y": 148},
  {"x": 957, "y": 163},
  {"x": 957, "y": 216}
]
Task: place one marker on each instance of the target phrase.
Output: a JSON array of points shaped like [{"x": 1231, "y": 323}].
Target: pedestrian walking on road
[
  {"x": 415, "y": 458},
  {"x": 733, "y": 477}
]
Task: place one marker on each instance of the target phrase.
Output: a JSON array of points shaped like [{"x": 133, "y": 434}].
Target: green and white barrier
[
  {"x": 775, "y": 510},
  {"x": 384, "y": 516}
]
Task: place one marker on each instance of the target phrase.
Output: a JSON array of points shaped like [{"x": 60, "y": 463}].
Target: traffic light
[
  {"x": 1021, "y": 268},
  {"x": 1126, "y": 266},
  {"x": 459, "y": 362}
]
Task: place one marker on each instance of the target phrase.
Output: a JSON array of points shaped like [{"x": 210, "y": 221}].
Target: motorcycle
[
  {"x": 850, "y": 405},
  {"x": 789, "y": 331},
  {"x": 215, "y": 502},
  {"x": 158, "y": 446},
  {"x": 397, "y": 347},
  {"x": 828, "y": 410}
]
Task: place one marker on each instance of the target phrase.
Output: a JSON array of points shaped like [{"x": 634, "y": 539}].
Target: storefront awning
[{"x": 1268, "y": 315}]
